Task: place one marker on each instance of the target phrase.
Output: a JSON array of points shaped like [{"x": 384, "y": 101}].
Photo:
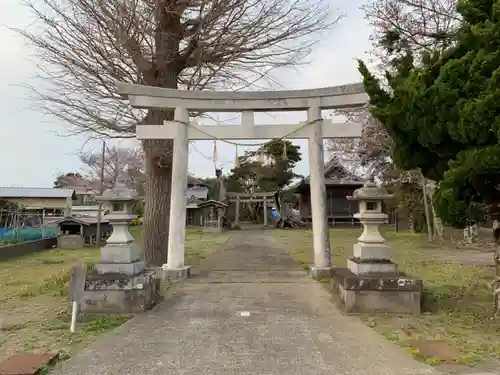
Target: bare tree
[
  {"x": 401, "y": 26},
  {"x": 369, "y": 155},
  {"x": 86, "y": 46},
  {"x": 116, "y": 161}
]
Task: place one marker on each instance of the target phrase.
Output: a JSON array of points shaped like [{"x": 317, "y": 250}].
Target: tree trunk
[
  {"x": 158, "y": 157},
  {"x": 436, "y": 220},
  {"x": 158, "y": 153},
  {"x": 157, "y": 205},
  {"x": 426, "y": 208},
  {"x": 438, "y": 225}
]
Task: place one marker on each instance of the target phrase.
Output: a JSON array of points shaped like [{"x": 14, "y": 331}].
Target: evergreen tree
[{"x": 443, "y": 114}]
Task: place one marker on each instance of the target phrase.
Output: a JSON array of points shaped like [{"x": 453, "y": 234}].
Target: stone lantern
[
  {"x": 371, "y": 254},
  {"x": 371, "y": 282},
  {"x": 121, "y": 254},
  {"x": 120, "y": 282}
]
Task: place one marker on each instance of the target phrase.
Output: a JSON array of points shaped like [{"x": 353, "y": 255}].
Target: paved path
[{"x": 203, "y": 327}]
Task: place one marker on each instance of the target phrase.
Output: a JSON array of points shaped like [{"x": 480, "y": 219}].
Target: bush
[{"x": 137, "y": 221}]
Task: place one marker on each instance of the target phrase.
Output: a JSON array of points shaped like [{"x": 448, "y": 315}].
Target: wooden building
[
  {"x": 339, "y": 184},
  {"x": 212, "y": 215},
  {"x": 75, "y": 233},
  {"x": 45, "y": 204},
  {"x": 197, "y": 192}
]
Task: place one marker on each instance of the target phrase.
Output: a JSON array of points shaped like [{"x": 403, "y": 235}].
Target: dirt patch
[
  {"x": 466, "y": 257},
  {"x": 437, "y": 349},
  {"x": 26, "y": 364},
  {"x": 8, "y": 323}
]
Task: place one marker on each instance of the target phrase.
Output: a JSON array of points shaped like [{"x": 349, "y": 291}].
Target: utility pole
[{"x": 101, "y": 191}]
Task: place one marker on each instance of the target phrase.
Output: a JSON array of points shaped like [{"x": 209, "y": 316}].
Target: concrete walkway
[{"x": 249, "y": 310}]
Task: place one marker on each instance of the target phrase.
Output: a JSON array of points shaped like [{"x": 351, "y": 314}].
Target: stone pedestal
[
  {"x": 372, "y": 283},
  {"x": 120, "y": 282},
  {"x": 379, "y": 293},
  {"x": 175, "y": 274},
  {"x": 116, "y": 293},
  {"x": 319, "y": 272}
]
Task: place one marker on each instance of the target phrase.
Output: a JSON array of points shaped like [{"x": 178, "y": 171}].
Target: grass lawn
[
  {"x": 33, "y": 297},
  {"x": 458, "y": 302}
]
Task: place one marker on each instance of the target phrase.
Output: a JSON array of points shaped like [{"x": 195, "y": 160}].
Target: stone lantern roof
[{"x": 370, "y": 191}]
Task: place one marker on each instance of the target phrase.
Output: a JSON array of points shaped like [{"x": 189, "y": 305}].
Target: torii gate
[
  {"x": 181, "y": 130},
  {"x": 265, "y": 198}
]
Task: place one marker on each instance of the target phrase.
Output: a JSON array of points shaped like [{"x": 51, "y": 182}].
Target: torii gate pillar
[
  {"x": 175, "y": 267},
  {"x": 322, "y": 253}
]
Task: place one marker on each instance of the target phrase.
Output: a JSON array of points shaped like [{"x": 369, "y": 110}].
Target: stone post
[
  {"x": 237, "y": 213},
  {"x": 321, "y": 239},
  {"x": 175, "y": 267},
  {"x": 265, "y": 211},
  {"x": 371, "y": 282}
]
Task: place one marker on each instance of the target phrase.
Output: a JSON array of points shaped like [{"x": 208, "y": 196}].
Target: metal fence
[{"x": 17, "y": 235}]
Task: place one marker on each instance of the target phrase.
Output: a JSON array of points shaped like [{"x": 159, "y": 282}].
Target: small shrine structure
[
  {"x": 339, "y": 183},
  {"x": 78, "y": 232},
  {"x": 212, "y": 215}
]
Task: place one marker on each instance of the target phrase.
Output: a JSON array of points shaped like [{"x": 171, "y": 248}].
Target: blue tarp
[
  {"x": 275, "y": 213},
  {"x": 26, "y": 234}
]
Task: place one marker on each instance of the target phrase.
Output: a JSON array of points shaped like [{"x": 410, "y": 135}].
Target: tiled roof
[
  {"x": 81, "y": 220},
  {"x": 335, "y": 174},
  {"x": 25, "y": 192}
]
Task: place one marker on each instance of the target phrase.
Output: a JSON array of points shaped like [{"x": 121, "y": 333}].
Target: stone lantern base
[
  {"x": 389, "y": 293},
  {"x": 120, "y": 293}
]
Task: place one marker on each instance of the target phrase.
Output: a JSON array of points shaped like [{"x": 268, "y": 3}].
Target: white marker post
[
  {"x": 74, "y": 313},
  {"x": 77, "y": 277}
]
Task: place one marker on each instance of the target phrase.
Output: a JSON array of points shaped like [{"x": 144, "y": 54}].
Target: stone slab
[
  {"x": 372, "y": 266},
  {"x": 26, "y": 364},
  {"x": 174, "y": 274},
  {"x": 386, "y": 294},
  {"x": 129, "y": 269},
  {"x": 319, "y": 272},
  {"x": 119, "y": 293},
  {"x": 257, "y": 276}
]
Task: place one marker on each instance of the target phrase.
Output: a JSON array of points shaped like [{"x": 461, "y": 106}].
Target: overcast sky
[{"x": 32, "y": 153}]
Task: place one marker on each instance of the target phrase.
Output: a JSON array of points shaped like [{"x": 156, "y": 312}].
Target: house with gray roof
[{"x": 46, "y": 203}]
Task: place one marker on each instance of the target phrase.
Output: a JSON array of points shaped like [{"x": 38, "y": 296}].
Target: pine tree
[{"x": 442, "y": 111}]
